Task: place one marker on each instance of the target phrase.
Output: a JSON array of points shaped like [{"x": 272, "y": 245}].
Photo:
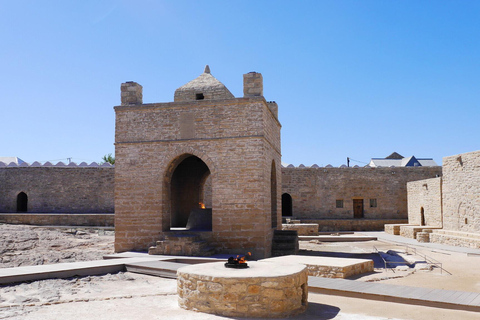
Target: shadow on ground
[{"x": 377, "y": 259}]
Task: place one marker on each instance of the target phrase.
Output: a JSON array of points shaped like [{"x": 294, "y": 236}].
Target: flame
[
  {"x": 242, "y": 259},
  {"x": 202, "y": 205}
]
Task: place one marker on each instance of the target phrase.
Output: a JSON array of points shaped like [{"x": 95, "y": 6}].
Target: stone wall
[
  {"x": 58, "y": 189},
  {"x": 326, "y": 225},
  {"x": 59, "y": 219},
  {"x": 461, "y": 192},
  {"x": 425, "y": 197},
  {"x": 315, "y": 191}
]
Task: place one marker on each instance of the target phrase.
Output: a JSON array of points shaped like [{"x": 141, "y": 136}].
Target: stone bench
[
  {"x": 410, "y": 231},
  {"x": 394, "y": 228}
]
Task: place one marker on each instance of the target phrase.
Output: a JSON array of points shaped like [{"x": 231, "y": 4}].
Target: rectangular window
[
  {"x": 339, "y": 203},
  {"x": 373, "y": 203}
]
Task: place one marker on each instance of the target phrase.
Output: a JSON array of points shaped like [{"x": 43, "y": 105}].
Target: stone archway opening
[
  {"x": 422, "y": 216},
  {"x": 287, "y": 205},
  {"x": 189, "y": 191},
  {"x": 22, "y": 202}
]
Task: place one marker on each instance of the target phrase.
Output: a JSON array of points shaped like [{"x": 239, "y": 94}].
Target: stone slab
[
  {"x": 328, "y": 267},
  {"x": 447, "y": 299}
]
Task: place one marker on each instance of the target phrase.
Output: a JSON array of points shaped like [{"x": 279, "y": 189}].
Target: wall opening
[
  {"x": 187, "y": 191},
  {"x": 199, "y": 96},
  {"x": 273, "y": 194},
  {"x": 287, "y": 205},
  {"x": 22, "y": 202},
  {"x": 422, "y": 216}
]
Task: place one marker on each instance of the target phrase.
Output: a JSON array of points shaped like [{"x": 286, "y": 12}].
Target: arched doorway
[
  {"x": 273, "y": 193},
  {"x": 286, "y": 205},
  {"x": 22, "y": 202},
  {"x": 187, "y": 190},
  {"x": 422, "y": 216}
]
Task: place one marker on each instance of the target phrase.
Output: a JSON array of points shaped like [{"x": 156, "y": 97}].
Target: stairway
[
  {"x": 182, "y": 244},
  {"x": 285, "y": 242}
]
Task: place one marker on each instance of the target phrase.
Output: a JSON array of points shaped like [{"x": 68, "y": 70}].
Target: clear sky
[{"x": 356, "y": 79}]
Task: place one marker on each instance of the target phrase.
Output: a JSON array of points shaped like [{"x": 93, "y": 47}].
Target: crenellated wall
[
  {"x": 315, "y": 190},
  {"x": 57, "y": 188}
]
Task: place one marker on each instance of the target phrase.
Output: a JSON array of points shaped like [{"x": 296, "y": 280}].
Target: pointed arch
[{"x": 184, "y": 189}]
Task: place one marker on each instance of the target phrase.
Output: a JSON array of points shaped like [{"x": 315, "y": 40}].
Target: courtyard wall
[
  {"x": 316, "y": 192},
  {"x": 58, "y": 189}
]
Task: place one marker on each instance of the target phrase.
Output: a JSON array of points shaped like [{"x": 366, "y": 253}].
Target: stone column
[
  {"x": 252, "y": 84},
  {"x": 132, "y": 93}
]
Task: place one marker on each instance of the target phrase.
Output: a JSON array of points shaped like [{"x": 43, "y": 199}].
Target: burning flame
[
  {"x": 202, "y": 205},
  {"x": 242, "y": 259}
]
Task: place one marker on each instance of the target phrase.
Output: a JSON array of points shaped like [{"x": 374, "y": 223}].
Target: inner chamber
[{"x": 190, "y": 195}]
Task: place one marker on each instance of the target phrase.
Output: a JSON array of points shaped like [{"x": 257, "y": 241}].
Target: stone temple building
[{"x": 206, "y": 165}]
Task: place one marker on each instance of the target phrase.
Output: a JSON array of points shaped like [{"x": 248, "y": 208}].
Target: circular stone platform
[{"x": 264, "y": 290}]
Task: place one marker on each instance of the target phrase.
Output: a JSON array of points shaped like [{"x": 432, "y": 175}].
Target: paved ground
[{"x": 133, "y": 296}]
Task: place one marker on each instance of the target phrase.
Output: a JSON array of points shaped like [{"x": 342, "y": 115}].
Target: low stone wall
[
  {"x": 340, "y": 272},
  {"x": 410, "y": 231},
  {"x": 456, "y": 238},
  {"x": 59, "y": 219},
  {"x": 303, "y": 229},
  {"x": 354, "y": 224},
  {"x": 394, "y": 228}
]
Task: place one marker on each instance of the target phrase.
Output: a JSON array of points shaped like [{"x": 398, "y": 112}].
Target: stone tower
[{"x": 206, "y": 147}]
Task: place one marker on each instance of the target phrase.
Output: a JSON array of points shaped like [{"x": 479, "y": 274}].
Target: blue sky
[{"x": 356, "y": 79}]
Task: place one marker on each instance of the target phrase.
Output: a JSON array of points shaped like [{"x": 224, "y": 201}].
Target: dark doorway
[
  {"x": 187, "y": 189},
  {"x": 273, "y": 193},
  {"x": 286, "y": 205},
  {"x": 422, "y": 217},
  {"x": 22, "y": 202},
  {"x": 358, "y": 208}
]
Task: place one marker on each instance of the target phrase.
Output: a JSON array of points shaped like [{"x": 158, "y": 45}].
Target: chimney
[
  {"x": 252, "y": 84},
  {"x": 131, "y": 93}
]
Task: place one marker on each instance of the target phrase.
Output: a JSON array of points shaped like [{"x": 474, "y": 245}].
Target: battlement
[{"x": 60, "y": 164}]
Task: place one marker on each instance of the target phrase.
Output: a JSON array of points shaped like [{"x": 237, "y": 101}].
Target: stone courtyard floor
[{"x": 136, "y": 296}]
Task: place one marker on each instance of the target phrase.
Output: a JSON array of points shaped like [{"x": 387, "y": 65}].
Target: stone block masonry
[
  {"x": 265, "y": 290},
  {"x": 57, "y": 189},
  {"x": 331, "y": 193},
  {"x": 425, "y": 202}
]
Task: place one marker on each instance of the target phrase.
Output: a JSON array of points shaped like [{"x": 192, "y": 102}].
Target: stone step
[{"x": 285, "y": 242}]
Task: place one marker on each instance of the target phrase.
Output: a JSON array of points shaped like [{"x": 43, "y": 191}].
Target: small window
[
  {"x": 339, "y": 203},
  {"x": 373, "y": 203},
  {"x": 199, "y": 96}
]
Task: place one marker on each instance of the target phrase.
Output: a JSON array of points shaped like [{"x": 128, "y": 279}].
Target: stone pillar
[
  {"x": 252, "y": 84},
  {"x": 132, "y": 93}
]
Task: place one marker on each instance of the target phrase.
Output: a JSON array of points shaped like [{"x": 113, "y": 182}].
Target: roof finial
[{"x": 207, "y": 69}]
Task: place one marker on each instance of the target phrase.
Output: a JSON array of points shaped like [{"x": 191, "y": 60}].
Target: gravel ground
[{"x": 22, "y": 245}]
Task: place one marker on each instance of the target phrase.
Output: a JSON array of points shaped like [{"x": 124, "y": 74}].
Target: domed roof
[{"x": 205, "y": 87}]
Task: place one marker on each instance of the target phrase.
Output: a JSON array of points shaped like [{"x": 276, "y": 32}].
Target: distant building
[
  {"x": 397, "y": 160},
  {"x": 8, "y": 160}
]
